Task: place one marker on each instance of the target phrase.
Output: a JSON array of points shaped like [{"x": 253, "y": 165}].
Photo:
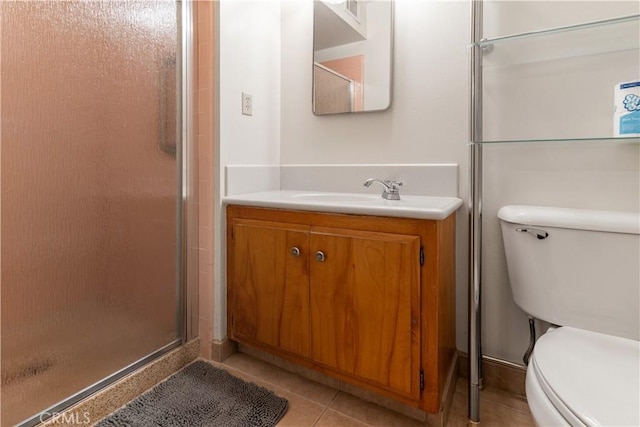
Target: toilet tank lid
[{"x": 580, "y": 219}]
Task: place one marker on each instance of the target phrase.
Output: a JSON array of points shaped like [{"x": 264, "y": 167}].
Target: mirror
[{"x": 352, "y": 55}]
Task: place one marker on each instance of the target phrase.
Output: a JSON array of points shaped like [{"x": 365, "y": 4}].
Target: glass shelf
[
  {"x": 558, "y": 84},
  {"x": 593, "y": 38},
  {"x": 565, "y": 29},
  {"x": 612, "y": 140}
]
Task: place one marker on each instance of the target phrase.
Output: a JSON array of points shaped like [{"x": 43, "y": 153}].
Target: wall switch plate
[{"x": 247, "y": 104}]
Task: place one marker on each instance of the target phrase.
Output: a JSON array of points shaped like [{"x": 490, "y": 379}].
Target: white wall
[
  {"x": 427, "y": 123},
  {"x": 249, "y": 62}
]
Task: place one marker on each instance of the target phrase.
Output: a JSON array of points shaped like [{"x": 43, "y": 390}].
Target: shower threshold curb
[{"x": 99, "y": 405}]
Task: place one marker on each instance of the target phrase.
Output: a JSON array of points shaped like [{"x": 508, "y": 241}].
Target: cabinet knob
[
  {"x": 295, "y": 251},
  {"x": 320, "y": 257}
]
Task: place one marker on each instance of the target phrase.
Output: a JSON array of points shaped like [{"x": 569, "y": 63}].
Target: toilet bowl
[
  {"x": 583, "y": 378},
  {"x": 579, "y": 270}
]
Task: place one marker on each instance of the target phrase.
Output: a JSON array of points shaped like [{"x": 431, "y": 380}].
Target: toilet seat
[
  {"x": 590, "y": 378},
  {"x": 543, "y": 411}
]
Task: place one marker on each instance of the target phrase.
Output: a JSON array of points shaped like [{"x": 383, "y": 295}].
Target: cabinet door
[
  {"x": 270, "y": 281},
  {"x": 365, "y": 306}
]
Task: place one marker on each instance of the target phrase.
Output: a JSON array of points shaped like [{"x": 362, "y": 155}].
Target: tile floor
[{"x": 314, "y": 404}]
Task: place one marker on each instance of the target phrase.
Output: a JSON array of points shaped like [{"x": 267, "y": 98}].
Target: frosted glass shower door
[{"x": 90, "y": 194}]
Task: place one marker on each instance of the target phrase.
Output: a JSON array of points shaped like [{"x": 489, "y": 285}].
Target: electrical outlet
[{"x": 247, "y": 104}]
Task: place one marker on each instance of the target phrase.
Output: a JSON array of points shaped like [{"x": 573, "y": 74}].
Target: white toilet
[{"x": 579, "y": 270}]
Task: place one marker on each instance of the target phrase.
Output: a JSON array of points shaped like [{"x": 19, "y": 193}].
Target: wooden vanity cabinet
[
  {"x": 369, "y": 300},
  {"x": 270, "y": 288},
  {"x": 364, "y": 301}
]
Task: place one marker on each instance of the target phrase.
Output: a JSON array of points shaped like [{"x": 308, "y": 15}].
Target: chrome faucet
[{"x": 391, "y": 188}]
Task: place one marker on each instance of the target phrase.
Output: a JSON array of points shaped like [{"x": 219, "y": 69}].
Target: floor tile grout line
[
  {"x": 501, "y": 404},
  {"x": 282, "y": 388},
  {"x": 350, "y": 417},
  {"x": 335, "y": 396},
  {"x": 498, "y": 399},
  {"x": 289, "y": 373},
  {"x": 324, "y": 410},
  {"x": 389, "y": 410},
  {"x": 505, "y": 406}
]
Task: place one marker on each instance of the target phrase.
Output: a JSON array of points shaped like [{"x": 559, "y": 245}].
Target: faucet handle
[
  {"x": 394, "y": 185},
  {"x": 393, "y": 191},
  {"x": 391, "y": 188}
]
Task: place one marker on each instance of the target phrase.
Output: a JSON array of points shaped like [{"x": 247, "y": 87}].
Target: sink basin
[
  {"x": 423, "y": 207},
  {"x": 335, "y": 197}
]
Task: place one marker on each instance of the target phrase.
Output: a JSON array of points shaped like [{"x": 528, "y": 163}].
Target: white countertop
[{"x": 422, "y": 207}]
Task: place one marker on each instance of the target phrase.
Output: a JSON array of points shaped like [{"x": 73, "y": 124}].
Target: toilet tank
[{"x": 574, "y": 267}]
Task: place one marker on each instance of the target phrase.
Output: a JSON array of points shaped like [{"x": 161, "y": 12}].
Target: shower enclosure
[{"x": 92, "y": 197}]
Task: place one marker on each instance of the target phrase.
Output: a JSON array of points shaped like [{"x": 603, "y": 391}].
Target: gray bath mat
[{"x": 201, "y": 395}]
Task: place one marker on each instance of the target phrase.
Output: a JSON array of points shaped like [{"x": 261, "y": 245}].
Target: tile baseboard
[
  {"x": 496, "y": 373},
  {"x": 442, "y": 417},
  {"x": 222, "y": 349}
]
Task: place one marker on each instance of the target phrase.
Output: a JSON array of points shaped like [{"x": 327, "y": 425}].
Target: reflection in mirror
[{"x": 352, "y": 55}]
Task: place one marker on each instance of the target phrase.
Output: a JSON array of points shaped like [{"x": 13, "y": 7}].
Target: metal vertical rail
[
  {"x": 475, "y": 214},
  {"x": 184, "y": 157}
]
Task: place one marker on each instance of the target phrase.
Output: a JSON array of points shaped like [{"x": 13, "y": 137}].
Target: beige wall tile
[
  {"x": 205, "y": 54},
  {"x": 205, "y": 338},
  {"x": 204, "y": 122},
  {"x": 205, "y": 212},
  {"x": 204, "y": 193},
  {"x": 205, "y": 240},
  {"x": 205, "y": 78},
  {"x": 205, "y": 95},
  {"x": 204, "y": 8}
]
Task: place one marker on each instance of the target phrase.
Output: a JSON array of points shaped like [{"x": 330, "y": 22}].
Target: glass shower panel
[{"x": 90, "y": 201}]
